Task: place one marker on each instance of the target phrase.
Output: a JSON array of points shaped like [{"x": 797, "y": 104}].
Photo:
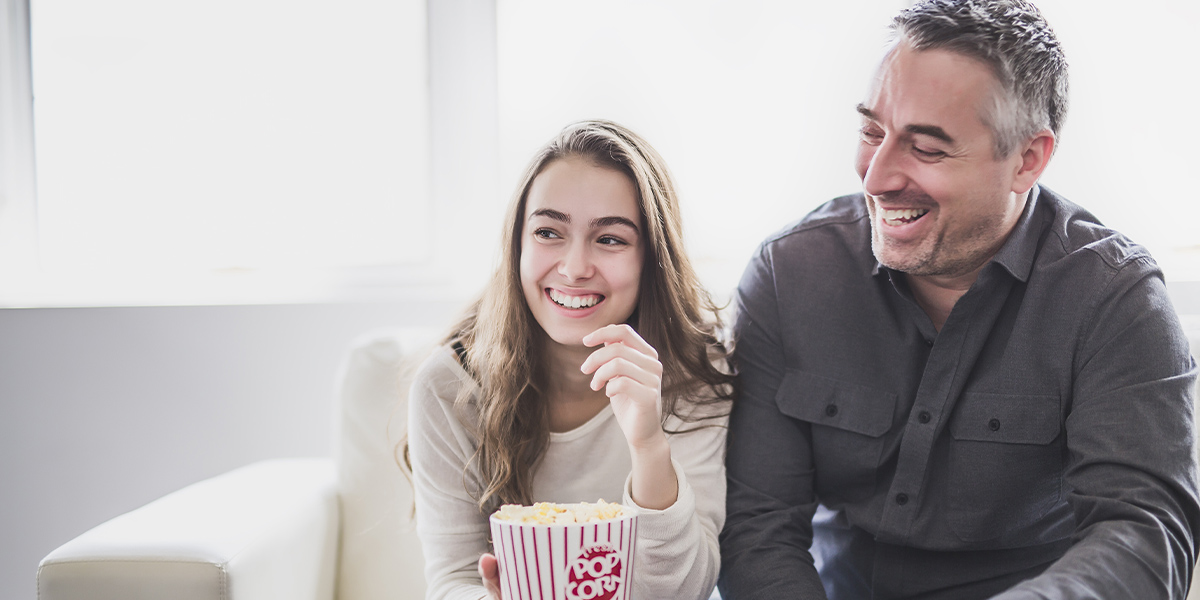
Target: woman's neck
[{"x": 571, "y": 401}]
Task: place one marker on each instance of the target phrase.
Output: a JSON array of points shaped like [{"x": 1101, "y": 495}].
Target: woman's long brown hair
[{"x": 503, "y": 343}]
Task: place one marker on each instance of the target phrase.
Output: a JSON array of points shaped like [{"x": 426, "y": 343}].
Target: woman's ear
[{"x": 1034, "y": 158}]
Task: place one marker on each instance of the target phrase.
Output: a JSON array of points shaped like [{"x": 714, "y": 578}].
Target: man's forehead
[{"x": 936, "y": 87}]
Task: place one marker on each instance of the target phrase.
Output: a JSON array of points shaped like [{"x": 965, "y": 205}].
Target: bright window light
[
  {"x": 752, "y": 106},
  {"x": 229, "y": 136}
]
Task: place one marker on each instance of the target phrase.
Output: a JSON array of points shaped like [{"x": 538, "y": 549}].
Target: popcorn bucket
[{"x": 566, "y": 561}]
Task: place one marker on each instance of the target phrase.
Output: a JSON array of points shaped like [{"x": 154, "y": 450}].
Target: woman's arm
[
  {"x": 453, "y": 533},
  {"x": 627, "y": 368},
  {"x": 678, "y": 481}
]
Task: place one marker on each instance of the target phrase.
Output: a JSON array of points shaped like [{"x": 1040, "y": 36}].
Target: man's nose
[
  {"x": 885, "y": 170},
  {"x": 577, "y": 263}
]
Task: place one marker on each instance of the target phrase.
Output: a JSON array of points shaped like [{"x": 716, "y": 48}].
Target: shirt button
[
  {"x": 924, "y": 417},
  {"x": 901, "y": 499},
  {"x": 994, "y": 424},
  {"x": 831, "y": 410}
]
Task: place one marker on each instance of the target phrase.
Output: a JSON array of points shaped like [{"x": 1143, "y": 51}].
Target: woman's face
[{"x": 581, "y": 249}]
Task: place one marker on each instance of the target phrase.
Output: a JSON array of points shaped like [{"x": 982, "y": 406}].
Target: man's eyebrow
[{"x": 930, "y": 130}]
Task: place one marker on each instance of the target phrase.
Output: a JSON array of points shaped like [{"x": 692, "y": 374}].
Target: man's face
[{"x": 940, "y": 203}]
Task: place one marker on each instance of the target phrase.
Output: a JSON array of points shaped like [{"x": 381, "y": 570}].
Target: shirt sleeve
[
  {"x": 765, "y": 545},
  {"x": 1131, "y": 471},
  {"x": 677, "y": 552},
  {"x": 453, "y": 533}
]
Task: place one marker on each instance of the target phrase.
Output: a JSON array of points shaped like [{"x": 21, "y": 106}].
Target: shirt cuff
[{"x": 669, "y": 522}]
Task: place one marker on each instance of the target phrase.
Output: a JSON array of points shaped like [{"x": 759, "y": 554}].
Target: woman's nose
[{"x": 577, "y": 263}]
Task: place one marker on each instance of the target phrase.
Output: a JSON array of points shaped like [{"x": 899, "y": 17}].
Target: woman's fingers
[
  {"x": 622, "y": 345},
  {"x": 489, "y": 571},
  {"x": 619, "y": 333},
  {"x": 620, "y": 368}
]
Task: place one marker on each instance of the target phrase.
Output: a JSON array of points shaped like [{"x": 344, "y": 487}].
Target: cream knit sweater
[{"x": 677, "y": 552}]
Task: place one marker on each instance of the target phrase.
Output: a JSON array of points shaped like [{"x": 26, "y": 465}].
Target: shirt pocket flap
[
  {"x": 847, "y": 406},
  {"x": 1006, "y": 418}
]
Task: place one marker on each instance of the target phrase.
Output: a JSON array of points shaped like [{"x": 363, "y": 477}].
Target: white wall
[{"x": 105, "y": 409}]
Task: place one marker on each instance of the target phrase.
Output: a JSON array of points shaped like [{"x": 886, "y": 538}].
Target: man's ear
[{"x": 1034, "y": 158}]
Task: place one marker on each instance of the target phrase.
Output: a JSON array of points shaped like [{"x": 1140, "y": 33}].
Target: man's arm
[
  {"x": 1131, "y": 470},
  {"x": 770, "y": 500}
]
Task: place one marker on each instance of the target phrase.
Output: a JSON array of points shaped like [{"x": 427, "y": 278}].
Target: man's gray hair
[{"x": 1012, "y": 38}]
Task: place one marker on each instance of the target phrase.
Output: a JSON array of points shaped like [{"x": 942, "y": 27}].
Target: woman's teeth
[
  {"x": 574, "y": 301},
  {"x": 902, "y": 216}
]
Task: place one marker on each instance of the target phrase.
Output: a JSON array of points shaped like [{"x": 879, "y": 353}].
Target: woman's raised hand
[{"x": 627, "y": 368}]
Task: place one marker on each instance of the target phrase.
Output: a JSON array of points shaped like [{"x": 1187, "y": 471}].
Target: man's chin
[{"x": 898, "y": 260}]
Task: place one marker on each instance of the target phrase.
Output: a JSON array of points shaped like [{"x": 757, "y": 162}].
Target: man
[{"x": 959, "y": 384}]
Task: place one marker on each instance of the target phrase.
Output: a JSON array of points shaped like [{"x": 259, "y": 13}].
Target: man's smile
[{"x": 902, "y": 216}]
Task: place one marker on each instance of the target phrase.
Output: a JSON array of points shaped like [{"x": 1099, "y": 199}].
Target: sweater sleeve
[
  {"x": 678, "y": 555},
  {"x": 453, "y": 533}
]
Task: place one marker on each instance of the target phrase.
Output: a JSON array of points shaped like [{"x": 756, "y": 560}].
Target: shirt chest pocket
[
  {"x": 1006, "y": 463},
  {"x": 848, "y": 424}
]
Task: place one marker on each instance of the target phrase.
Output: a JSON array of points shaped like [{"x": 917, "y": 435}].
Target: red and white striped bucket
[{"x": 571, "y": 561}]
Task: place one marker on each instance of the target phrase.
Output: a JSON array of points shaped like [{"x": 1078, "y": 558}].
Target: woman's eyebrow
[
  {"x": 610, "y": 221},
  {"x": 596, "y": 223},
  {"x": 550, "y": 213}
]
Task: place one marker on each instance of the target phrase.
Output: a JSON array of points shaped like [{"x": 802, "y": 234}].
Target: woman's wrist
[{"x": 654, "y": 484}]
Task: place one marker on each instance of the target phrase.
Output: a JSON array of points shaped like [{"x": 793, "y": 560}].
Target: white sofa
[
  {"x": 290, "y": 529},
  {"x": 293, "y": 529}
]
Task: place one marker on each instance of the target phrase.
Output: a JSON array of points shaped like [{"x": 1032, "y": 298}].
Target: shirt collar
[
  {"x": 1017, "y": 254},
  {"x": 1019, "y": 250}
]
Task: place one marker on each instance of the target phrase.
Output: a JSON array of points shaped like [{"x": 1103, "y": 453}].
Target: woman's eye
[
  {"x": 609, "y": 240},
  {"x": 546, "y": 234}
]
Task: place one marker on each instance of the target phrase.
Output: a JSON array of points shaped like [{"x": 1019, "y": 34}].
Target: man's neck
[{"x": 937, "y": 295}]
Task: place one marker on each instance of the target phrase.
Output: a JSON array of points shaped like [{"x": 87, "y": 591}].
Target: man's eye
[
  {"x": 871, "y": 136},
  {"x": 928, "y": 154}
]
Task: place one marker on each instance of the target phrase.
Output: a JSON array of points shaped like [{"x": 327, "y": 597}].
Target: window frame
[{"x": 18, "y": 198}]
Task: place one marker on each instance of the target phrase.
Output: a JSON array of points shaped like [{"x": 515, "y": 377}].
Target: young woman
[{"x": 588, "y": 369}]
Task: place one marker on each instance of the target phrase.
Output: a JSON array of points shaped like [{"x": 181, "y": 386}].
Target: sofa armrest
[{"x": 267, "y": 530}]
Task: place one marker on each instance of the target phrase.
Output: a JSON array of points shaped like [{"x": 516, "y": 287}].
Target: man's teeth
[
  {"x": 902, "y": 216},
  {"x": 574, "y": 301}
]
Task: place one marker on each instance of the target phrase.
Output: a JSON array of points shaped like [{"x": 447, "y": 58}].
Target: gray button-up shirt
[{"x": 1043, "y": 439}]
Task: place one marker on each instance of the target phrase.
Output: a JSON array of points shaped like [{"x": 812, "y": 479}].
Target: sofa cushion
[{"x": 380, "y": 554}]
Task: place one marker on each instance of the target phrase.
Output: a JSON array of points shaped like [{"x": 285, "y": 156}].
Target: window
[{"x": 191, "y": 144}]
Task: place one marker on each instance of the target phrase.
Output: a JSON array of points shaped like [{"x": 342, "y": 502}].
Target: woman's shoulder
[{"x": 442, "y": 374}]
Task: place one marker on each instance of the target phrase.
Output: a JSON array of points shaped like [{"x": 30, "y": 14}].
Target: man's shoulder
[
  {"x": 1075, "y": 232},
  {"x": 842, "y": 214}
]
